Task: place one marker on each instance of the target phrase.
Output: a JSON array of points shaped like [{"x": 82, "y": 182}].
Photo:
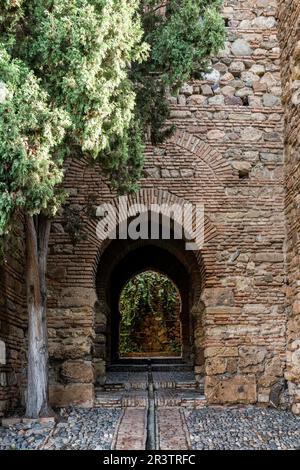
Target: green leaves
[
  {"x": 182, "y": 35},
  {"x": 78, "y": 77},
  {"x": 81, "y": 49},
  {"x": 147, "y": 294},
  {"x": 29, "y": 132},
  {"x": 64, "y": 88}
]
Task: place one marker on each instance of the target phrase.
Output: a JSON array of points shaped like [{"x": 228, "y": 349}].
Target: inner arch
[{"x": 122, "y": 260}]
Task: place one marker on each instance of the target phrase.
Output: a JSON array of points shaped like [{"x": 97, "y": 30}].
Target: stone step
[
  {"x": 115, "y": 387},
  {"x": 183, "y": 398},
  {"x": 106, "y": 402},
  {"x": 138, "y": 398},
  {"x": 147, "y": 361},
  {"x": 163, "y": 367},
  {"x": 125, "y": 398},
  {"x": 171, "y": 367},
  {"x": 175, "y": 385},
  {"x": 128, "y": 380}
]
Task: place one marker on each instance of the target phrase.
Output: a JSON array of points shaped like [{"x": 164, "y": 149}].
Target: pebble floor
[
  {"x": 246, "y": 428},
  {"x": 79, "y": 429},
  {"x": 211, "y": 427}
]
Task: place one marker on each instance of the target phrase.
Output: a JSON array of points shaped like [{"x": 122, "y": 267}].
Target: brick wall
[
  {"x": 12, "y": 325},
  {"x": 227, "y": 154},
  {"x": 289, "y": 33}
]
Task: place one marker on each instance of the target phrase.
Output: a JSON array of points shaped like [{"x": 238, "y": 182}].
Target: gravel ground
[
  {"x": 24, "y": 436},
  {"x": 245, "y": 428},
  {"x": 210, "y": 428},
  {"x": 79, "y": 429}
]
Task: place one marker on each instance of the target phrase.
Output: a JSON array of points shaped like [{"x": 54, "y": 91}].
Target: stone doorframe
[{"x": 140, "y": 257}]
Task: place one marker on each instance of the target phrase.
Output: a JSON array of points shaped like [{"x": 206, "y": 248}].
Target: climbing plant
[
  {"x": 149, "y": 303},
  {"x": 182, "y": 35}
]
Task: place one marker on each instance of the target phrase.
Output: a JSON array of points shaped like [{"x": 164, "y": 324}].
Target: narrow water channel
[{"x": 151, "y": 443}]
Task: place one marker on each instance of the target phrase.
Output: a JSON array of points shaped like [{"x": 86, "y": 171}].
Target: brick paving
[
  {"x": 132, "y": 431},
  {"x": 171, "y": 430}
]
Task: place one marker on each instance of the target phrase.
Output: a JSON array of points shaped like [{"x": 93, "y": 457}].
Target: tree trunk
[{"x": 37, "y": 239}]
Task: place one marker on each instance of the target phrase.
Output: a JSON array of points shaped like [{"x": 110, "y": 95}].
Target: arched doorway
[{"x": 124, "y": 259}]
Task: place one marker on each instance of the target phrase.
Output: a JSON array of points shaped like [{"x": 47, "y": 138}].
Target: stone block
[
  {"x": 71, "y": 347},
  {"x": 100, "y": 370},
  {"x": 221, "y": 351},
  {"x": 2, "y": 353},
  {"x": 252, "y": 358},
  {"x": 215, "y": 366},
  {"x": 215, "y": 135},
  {"x": 228, "y": 390},
  {"x": 270, "y": 100},
  {"x": 7, "y": 422},
  {"x": 231, "y": 365},
  {"x": 77, "y": 297},
  {"x": 78, "y": 371},
  {"x": 187, "y": 89},
  {"x": 199, "y": 100},
  {"x": 219, "y": 296},
  {"x": 273, "y": 371},
  {"x": 251, "y": 133},
  {"x": 178, "y": 114},
  {"x": 73, "y": 394},
  {"x": 217, "y": 100},
  {"x": 228, "y": 90},
  {"x": 223, "y": 310},
  {"x": 241, "y": 47},
  {"x": 233, "y": 101},
  {"x": 237, "y": 67},
  {"x": 206, "y": 90},
  {"x": 263, "y": 396},
  {"x": 296, "y": 408},
  {"x": 276, "y": 393}
]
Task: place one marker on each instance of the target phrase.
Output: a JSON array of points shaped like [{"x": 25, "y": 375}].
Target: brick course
[{"x": 12, "y": 325}]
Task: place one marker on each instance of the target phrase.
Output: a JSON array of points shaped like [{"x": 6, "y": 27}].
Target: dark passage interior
[{"x": 120, "y": 265}]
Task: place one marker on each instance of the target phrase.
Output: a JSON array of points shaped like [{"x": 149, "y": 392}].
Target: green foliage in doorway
[{"x": 149, "y": 304}]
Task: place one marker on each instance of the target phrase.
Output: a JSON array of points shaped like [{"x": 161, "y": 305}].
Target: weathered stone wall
[
  {"x": 228, "y": 154},
  {"x": 289, "y": 34},
  {"x": 252, "y": 334},
  {"x": 12, "y": 326}
]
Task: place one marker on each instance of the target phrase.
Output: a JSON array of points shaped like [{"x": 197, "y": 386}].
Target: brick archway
[
  {"x": 121, "y": 261},
  {"x": 118, "y": 260},
  {"x": 149, "y": 198}
]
